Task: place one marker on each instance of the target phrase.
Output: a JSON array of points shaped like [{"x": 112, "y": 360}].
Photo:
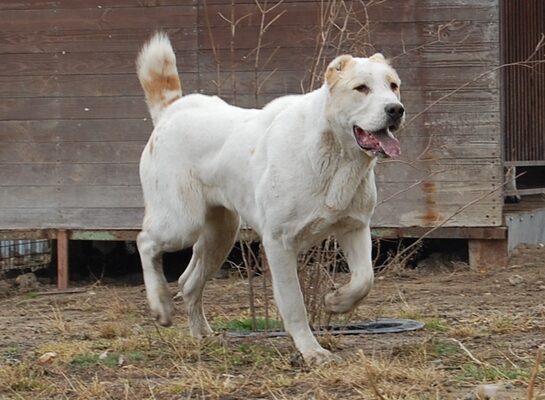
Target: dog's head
[{"x": 364, "y": 103}]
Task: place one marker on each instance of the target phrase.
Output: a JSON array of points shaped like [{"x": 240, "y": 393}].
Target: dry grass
[{"x": 166, "y": 363}]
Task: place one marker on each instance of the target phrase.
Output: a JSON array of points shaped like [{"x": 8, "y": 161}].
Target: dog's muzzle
[{"x": 378, "y": 143}]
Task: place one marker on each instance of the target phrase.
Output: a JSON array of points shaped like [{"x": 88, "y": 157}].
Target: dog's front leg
[
  {"x": 289, "y": 299},
  {"x": 356, "y": 246}
]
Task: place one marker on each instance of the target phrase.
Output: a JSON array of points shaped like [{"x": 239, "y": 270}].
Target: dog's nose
[{"x": 394, "y": 111}]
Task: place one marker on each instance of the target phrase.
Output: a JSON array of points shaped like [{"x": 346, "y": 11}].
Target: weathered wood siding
[{"x": 73, "y": 120}]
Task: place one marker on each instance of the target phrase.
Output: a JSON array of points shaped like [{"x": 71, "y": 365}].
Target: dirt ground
[{"x": 482, "y": 327}]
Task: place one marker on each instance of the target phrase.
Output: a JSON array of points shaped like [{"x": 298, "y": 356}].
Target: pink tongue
[{"x": 389, "y": 144}]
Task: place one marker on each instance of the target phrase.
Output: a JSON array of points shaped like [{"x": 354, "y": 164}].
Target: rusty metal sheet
[{"x": 522, "y": 26}]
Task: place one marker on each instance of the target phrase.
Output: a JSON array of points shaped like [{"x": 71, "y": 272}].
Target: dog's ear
[
  {"x": 378, "y": 57},
  {"x": 335, "y": 67}
]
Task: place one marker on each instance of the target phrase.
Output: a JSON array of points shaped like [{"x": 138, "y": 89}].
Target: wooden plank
[
  {"x": 410, "y": 33},
  {"x": 72, "y": 152},
  {"x": 72, "y": 108},
  {"x": 54, "y": 174},
  {"x": 96, "y": 18},
  {"x": 76, "y": 85},
  {"x": 461, "y": 124},
  {"x": 80, "y": 41},
  {"x": 271, "y": 81},
  {"x": 478, "y": 58},
  {"x": 82, "y": 63},
  {"x": 480, "y": 102},
  {"x": 120, "y": 218},
  {"x": 456, "y": 6},
  {"x": 71, "y": 196},
  {"x": 134, "y": 106},
  {"x": 127, "y": 174},
  {"x": 29, "y": 196},
  {"x": 442, "y": 193},
  {"x": 392, "y": 11},
  {"x": 71, "y": 218},
  {"x": 103, "y": 234},
  {"x": 102, "y": 218},
  {"x": 441, "y": 233},
  {"x": 450, "y": 147},
  {"x": 456, "y": 31},
  {"x": 62, "y": 259},
  {"x": 29, "y": 174},
  {"x": 29, "y": 218},
  {"x": 101, "y": 196},
  {"x": 77, "y": 130},
  {"x": 281, "y": 81},
  {"x": 485, "y": 126},
  {"x": 410, "y": 215},
  {"x": 63, "y": 4},
  {"x": 475, "y": 217},
  {"x": 478, "y": 55},
  {"x": 405, "y": 215},
  {"x": 468, "y": 170},
  {"x": 117, "y": 174},
  {"x": 31, "y": 234}
]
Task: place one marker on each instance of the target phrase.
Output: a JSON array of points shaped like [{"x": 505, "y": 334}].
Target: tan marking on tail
[
  {"x": 156, "y": 67},
  {"x": 158, "y": 87}
]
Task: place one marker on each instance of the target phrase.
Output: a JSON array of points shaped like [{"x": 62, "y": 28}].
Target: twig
[
  {"x": 535, "y": 371},
  {"x": 464, "y": 348},
  {"x": 250, "y": 272},
  {"x": 371, "y": 380}
]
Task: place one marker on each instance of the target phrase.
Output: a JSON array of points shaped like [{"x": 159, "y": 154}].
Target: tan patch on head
[
  {"x": 391, "y": 78},
  {"x": 341, "y": 63},
  {"x": 378, "y": 57}
]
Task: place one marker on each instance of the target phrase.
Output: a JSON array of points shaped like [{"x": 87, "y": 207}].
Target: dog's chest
[{"x": 321, "y": 227}]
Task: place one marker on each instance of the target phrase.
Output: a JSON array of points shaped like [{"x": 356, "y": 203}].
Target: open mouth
[{"x": 378, "y": 143}]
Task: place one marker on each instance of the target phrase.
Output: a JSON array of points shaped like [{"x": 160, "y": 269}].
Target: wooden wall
[{"x": 73, "y": 120}]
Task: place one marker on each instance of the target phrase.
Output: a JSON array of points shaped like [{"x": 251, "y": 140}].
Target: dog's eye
[
  {"x": 362, "y": 89},
  {"x": 394, "y": 86}
]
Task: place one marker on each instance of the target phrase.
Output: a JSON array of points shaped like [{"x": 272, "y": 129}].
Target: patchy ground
[{"x": 482, "y": 327}]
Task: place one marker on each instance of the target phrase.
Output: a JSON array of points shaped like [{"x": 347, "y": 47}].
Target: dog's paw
[
  {"x": 163, "y": 313},
  {"x": 320, "y": 357},
  {"x": 200, "y": 330},
  {"x": 162, "y": 318},
  {"x": 336, "y": 303}
]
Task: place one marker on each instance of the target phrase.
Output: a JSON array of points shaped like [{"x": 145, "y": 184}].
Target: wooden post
[
  {"x": 487, "y": 253},
  {"x": 62, "y": 259}
]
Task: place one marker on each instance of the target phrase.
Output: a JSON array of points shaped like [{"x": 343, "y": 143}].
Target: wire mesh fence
[{"x": 24, "y": 254}]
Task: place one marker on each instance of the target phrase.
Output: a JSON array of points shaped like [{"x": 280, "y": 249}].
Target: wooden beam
[
  {"x": 488, "y": 232},
  {"x": 487, "y": 254},
  {"x": 86, "y": 234},
  {"x": 62, "y": 259},
  {"x": 27, "y": 234}
]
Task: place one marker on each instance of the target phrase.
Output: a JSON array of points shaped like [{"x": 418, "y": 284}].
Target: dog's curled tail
[{"x": 158, "y": 75}]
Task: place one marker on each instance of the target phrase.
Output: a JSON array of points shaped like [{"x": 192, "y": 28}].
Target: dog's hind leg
[
  {"x": 159, "y": 298},
  {"x": 356, "y": 246},
  {"x": 209, "y": 252}
]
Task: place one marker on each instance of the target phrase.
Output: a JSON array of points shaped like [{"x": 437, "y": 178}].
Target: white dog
[{"x": 296, "y": 171}]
